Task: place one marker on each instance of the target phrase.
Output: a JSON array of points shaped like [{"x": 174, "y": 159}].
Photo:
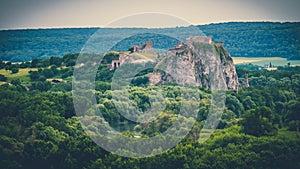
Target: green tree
[
  {"x": 44, "y": 63},
  {"x": 3, "y": 78},
  {"x": 234, "y": 104},
  {"x": 34, "y": 75},
  {"x": 70, "y": 59},
  {"x": 16, "y": 82},
  {"x": 14, "y": 70},
  {"x": 292, "y": 110},
  {"x": 8, "y": 66},
  {"x": 48, "y": 73},
  {"x": 41, "y": 86},
  {"x": 2, "y": 64},
  {"x": 55, "y": 61},
  {"x": 248, "y": 103},
  {"x": 54, "y": 69},
  {"x": 25, "y": 65},
  {"x": 34, "y": 62},
  {"x": 259, "y": 122},
  {"x": 140, "y": 81}
]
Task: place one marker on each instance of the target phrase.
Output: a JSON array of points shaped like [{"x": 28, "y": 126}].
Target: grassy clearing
[
  {"x": 261, "y": 61},
  {"x": 1, "y": 83},
  {"x": 241, "y": 61},
  {"x": 23, "y": 74},
  {"x": 284, "y": 133}
]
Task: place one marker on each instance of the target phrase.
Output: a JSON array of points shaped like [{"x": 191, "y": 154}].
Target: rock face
[{"x": 200, "y": 62}]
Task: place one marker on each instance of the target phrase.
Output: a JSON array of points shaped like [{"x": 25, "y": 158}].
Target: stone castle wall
[
  {"x": 219, "y": 44},
  {"x": 145, "y": 47},
  {"x": 199, "y": 39}
]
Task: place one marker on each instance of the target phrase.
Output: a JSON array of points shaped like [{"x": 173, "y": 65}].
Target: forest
[
  {"x": 39, "y": 128},
  {"x": 249, "y": 39}
]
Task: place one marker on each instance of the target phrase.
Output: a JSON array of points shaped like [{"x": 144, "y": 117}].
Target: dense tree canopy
[
  {"x": 38, "y": 126},
  {"x": 259, "y": 122}
]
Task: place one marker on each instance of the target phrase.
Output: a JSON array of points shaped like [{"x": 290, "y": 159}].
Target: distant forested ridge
[{"x": 250, "y": 39}]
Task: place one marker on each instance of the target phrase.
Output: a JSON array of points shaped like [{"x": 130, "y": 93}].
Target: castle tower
[
  {"x": 145, "y": 47},
  {"x": 246, "y": 81},
  {"x": 135, "y": 49},
  {"x": 148, "y": 45}
]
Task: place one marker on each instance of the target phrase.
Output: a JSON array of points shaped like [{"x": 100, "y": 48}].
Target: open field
[
  {"x": 23, "y": 74},
  {"x": 261, "y": 61},
  {"x": 244, "y": 60}
]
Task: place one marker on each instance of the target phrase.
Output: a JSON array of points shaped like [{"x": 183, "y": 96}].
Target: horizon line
[{"x": 98, "y": 27}]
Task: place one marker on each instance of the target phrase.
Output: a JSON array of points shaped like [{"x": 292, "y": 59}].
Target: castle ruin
[
  {"x": 145, "y": 47},
  {"x": 180, "y": 44},
  {"x": 246, "y": 81},
  {"x": 199, "y": 39},
  {"x": 219, "y": 44},
  {"x": 114, "y": 64},
  {"x": 117, "y": 63},
  {"x": 148, "y": 46}
]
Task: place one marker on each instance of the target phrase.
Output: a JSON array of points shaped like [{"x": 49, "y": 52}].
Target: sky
[{"x": 23, "y": 14}]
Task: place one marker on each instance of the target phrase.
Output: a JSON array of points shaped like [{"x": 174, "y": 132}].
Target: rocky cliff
[{"x": 199, "y": 62}]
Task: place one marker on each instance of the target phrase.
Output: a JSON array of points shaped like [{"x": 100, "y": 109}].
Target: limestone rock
[{"x": 200, "y": 62}]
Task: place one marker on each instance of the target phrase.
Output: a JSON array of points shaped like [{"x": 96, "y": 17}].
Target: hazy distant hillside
[
  {"x": 241, "y": 39},
  {"x": 258, "y": 39},
  {"x": 24, "y": 45}
]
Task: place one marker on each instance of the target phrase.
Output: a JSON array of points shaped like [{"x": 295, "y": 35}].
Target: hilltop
[{"x": 199, "y": 62}]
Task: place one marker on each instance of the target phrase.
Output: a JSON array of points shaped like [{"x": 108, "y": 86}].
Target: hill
[
  {"x": 39, "y": 126},
  {"x": 250, "y": 39}
]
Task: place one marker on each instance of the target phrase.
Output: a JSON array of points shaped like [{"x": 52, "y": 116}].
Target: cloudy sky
[{"x": 16, "y": 14}]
